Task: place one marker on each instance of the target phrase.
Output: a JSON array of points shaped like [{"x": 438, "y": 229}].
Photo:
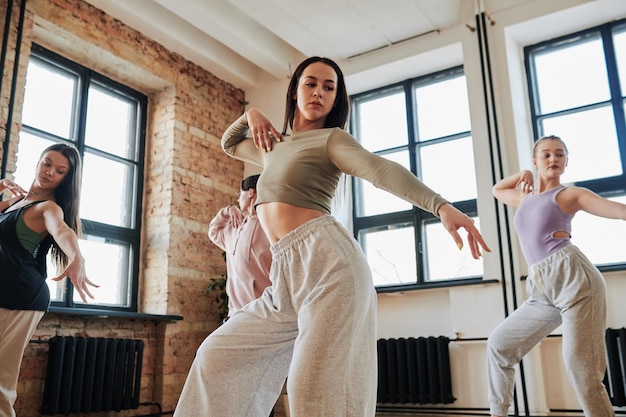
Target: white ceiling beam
[
  {"x": 227, "y": 24},
  {"x": 177, "y": 35}
]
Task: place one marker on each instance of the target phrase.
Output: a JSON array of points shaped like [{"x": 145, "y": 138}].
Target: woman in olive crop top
[
  {"x": 31, "y": 223},
  {"x": 564, "y": 287},
  {"x": 316, "y": 324}
]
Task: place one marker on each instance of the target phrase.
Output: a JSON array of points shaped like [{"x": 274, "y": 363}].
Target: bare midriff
[{"x": 277, "y": 219}]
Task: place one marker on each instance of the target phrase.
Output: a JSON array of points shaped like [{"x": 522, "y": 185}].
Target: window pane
[
  {"x": 602, "y": 240},
  {"x": 436, "y": 161},
  {"x": 571, "y": 76},
  {"x": 49, "y": 99},
  {"x": 390, "y": 251},
  {"x": 106, "y": 191},
  {"x": 107, "y": 264},
  {"x": 372, "y": 201},
  {"x": 57, "y": 288},
  {"x": 442, "y": 109},
  {"x": 382, "y": 122},
  {"x": 619, "y": 40},
  {"x": 110, "y": 123},
  {"x": 444, "y": 260},
  {"x": 29, "y": 149},
  {"x": 590, "y": 136}
]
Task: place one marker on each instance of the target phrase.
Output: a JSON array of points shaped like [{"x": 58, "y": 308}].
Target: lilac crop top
[{"x": 536, "y": 220}]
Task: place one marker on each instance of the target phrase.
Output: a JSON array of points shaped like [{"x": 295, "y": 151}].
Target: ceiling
[{"x": 241, "y": 40}]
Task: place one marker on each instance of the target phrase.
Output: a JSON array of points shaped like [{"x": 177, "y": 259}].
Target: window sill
[
  {"x": 105, "y": 314},
  {"x": 439, "y": 284}
]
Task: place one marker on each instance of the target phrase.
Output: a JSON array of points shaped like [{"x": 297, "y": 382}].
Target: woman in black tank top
[{"x": 24, "y": 295}]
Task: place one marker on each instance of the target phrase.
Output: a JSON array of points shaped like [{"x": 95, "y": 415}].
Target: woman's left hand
[
  {"x": 453, "y": 219},
  {"x": 75, "y": 271}
]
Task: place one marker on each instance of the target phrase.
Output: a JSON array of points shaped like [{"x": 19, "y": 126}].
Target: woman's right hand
[
  {"x": 15, "y": 189},
  {"x": 261, "y": 129},
  {"x": 526, "y": 182},
  {"x": 236, "y": 216}
]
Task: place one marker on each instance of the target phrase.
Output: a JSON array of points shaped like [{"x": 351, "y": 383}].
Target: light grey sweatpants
[
  {"x": 565, "y": 288},
  {"x": 316, "y": 324}
]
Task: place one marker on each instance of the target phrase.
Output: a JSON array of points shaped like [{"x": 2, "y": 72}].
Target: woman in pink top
[
  {"x": 236, "y": 231},
  {"x": 564, "y": 287}
]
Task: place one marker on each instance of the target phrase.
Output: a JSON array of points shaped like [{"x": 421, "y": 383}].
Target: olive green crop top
[
  {"x": 28, "y": 238},
  {"x": 303, "y": 169}
]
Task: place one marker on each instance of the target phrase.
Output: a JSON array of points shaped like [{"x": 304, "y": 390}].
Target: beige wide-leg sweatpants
[
  {"x": 16, "y": 329},
  {"x": 315, "y": 325},
  {"x": 565, "y": 288}
]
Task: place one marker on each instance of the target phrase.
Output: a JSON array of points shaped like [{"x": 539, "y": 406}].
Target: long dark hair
[
  {"x": 338, "y": 116},
  {"x": 67, "y": 195}
]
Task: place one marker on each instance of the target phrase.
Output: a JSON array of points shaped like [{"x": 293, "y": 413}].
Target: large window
[
  {"x": 65, "y": 102},
  {"x": 578, "y": 90},
  {"x": 424, "y": 125}
]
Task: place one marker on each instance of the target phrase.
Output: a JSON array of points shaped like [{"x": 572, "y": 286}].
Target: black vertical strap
[
  {"x": 443, "y": 349},
  {"x": 16, "y": 64},
  {"x": 139, "y": 344},
  {"x": 422, "y": 371},
  {"x": 52, "y": 386},
  {"x": 412, "y": 370},
  {"x": 90, "y": 374},
  {"x": 78, "y": 375},
  {"x": 494, "y": 137},
  {"x": 5, "y": 39},
  {"x": 403, "y": 374},
  {"x": 383, "y": 385}
]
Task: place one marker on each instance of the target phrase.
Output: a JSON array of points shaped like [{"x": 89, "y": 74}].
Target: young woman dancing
[
  {"x": 564, "y": 287},
  {"x": 316, "y": 324}
]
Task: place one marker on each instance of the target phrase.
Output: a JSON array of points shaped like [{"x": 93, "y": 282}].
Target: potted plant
[{"x": 217, "y": 290}]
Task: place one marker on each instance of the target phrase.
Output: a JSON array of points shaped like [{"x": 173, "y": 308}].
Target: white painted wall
[{"x": 473, "y": 311}]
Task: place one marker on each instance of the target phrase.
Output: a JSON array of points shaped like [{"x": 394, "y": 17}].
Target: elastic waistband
[
  {"x": 302, "y": 232},
  {"x": 555, "y": 257}
]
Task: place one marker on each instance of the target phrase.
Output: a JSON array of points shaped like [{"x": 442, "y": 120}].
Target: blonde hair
[{"x": 549, "y": 137}]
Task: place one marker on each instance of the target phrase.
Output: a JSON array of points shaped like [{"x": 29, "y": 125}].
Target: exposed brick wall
[{"x": 187, "y": 179}]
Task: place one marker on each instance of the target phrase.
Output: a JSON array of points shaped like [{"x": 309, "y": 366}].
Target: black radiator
[
  {"x": 615, "y": 380},
  {"x": 86, "y": 374},
  {"x": 414, "y": 371}
]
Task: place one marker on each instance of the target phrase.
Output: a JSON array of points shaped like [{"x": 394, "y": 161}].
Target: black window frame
[
  {"x": 608, "y": 187},
  {"x": 417, "y": 217},
  {"x": 110, "y": 233}
]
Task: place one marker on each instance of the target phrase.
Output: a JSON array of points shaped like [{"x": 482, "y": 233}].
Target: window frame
[
  {"x": 607, "y": 187},
  {"x": 417, "y": 217},
  {"x": 130, "y": 235}
]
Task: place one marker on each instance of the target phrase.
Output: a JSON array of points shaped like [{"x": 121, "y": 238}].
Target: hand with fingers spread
[
  {"x": 262, "y": 130},
  {"x": 75, "y": 271},
  {"x": 454, "y": 219}
]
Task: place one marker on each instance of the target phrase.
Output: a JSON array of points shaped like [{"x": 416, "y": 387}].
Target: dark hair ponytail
[{"x": 67, "y": 195}]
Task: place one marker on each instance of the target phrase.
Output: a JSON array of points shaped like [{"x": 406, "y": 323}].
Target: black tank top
[{"x": 22, "y": 274}]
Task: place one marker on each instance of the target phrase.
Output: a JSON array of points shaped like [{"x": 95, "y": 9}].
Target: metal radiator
[
  {"x": 414, "y": 371},
  {"x": 86, "y": 374},
  {"x": 615, "y": 380}
]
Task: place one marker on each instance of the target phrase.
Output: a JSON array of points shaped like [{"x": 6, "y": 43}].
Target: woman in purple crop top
[
  {"x": 316, "y": 324},
  {"x": 564, "y": 287}
]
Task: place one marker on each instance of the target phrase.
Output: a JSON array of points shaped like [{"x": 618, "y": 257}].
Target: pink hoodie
[{"x": 248, "y": 258}]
